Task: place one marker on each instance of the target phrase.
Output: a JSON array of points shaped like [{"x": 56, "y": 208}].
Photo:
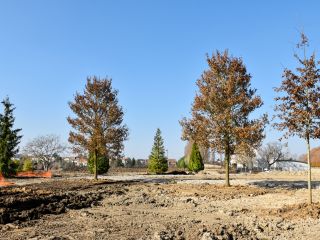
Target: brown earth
[{"x": 171, "y": 209}]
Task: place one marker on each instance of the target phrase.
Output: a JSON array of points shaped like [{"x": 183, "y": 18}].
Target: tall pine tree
[
  {"x": 158, "y": 163},
  {"x": 9, "y": 137}
]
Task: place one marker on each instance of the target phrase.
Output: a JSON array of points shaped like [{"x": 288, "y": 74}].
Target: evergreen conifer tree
[
  {"x": 181, "y": 163},
  {"x": 102, "y": 164},
  {"x": 9, "y": 138},
  {"x": 158, "y": 163},
  {"x": 195, "y": 161}
]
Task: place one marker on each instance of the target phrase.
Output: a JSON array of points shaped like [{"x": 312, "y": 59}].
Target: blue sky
[{"x": 153, "y": 50}]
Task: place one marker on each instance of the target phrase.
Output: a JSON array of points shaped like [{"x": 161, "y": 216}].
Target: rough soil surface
[
  {"x": 302, "y": 210},
  {"x": 27, "y": 203},
  {"x": 85, "y": 209}
]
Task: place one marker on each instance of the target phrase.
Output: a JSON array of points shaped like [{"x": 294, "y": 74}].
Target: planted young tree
[
  {"x": 158, "y": 163},
  {"x": 98, "y": 123},
  {"x": 222, "y": 107},
  {"x": 133, "y": 162},
  {"x": 181, "y": 163},
  {"x": 102, "y": 164},
  {"x": 9, "y": 137},
  {"x": 204, "y": 151},
  {"x": 45, "y": 149},
  {"x": 298, "y": 109},
  {"x": 195, "y": 161},
  {"x": 27, "y": 165}
]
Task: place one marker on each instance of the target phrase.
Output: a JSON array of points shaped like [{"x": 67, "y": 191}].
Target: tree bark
[
  {"x": 309, "y": 171},
  {"x": 45, "y": 166},
  {"x": 95, "y": 165},
  {"x": 227, "y": 166}
]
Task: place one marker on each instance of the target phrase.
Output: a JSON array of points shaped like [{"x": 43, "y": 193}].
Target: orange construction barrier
[
  {"x": 3, "y": 182},
  {"x": 47, "y": 174}
]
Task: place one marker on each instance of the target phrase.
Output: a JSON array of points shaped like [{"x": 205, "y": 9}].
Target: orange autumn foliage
[
  {"x": 222, "y": 107},
  {"x": 314, "y": 157}
]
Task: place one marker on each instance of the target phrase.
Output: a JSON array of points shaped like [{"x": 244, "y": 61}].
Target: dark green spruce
[{"x": 9, "y": 138}]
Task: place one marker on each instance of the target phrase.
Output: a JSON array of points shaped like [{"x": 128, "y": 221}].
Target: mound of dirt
[
  {"x": 219, "y": 192},
  {"x": 298, "y": 211}
]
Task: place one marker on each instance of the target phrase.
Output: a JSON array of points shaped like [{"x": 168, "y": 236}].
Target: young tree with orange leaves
[
  {"x": 98, "y": 126},
  {"x": 221, "y": 109},
  {"x": 298, "y": 108}
]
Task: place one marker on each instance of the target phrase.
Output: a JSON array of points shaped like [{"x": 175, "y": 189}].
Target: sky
[{"x": 154, "y": 51}]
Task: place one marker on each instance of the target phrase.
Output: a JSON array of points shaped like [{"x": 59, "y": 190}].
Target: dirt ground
[{"x": 138, "y": 206}]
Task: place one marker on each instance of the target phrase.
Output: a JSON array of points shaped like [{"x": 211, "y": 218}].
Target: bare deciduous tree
[
  {"x": 221, "y": 109},
  {"x": 44, "y": 148},
  {"x": 271, "y": 153},
  {"x": 298, "y": 108}
]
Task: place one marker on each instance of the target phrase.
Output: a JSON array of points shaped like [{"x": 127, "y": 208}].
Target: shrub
[
  {"x": 133, "y": 162},
  {"x": 13, "y": 167},
  {"x": 195, "y": 162},
  {"x": 181, "y": 163},
  {"x": 102, "y": 164},
  {"x": 27, "y": 165}
]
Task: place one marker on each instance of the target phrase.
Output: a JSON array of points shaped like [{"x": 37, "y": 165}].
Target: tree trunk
[
  {"x": 45, "y": 166},
  {"x": 95, "y": 165},
  {"x": 227, "y": 166},
  {"x": 309, "y": 171}
]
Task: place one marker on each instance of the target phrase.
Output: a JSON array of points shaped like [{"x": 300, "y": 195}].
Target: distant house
[
  {"x": 78, "y": 161},
  {"x": 291, "y": 166},
  {"x": 257, "y": 163}
]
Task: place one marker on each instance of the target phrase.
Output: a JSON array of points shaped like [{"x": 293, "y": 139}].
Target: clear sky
[{"x": 153, "y": 50}]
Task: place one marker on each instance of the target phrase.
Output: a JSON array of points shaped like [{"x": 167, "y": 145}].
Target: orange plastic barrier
[
  {"x": 3, "y": 182},
  {"x": 47, "y": 174}
]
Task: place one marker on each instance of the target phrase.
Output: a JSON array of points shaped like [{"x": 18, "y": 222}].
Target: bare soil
[{"x": 160, "y": 207}]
